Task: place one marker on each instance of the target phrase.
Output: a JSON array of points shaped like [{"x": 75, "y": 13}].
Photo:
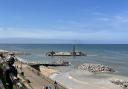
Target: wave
[
  {"x": 54, "y": 75},
  {"x": 67, "y": 76},
  {"x": 76, "y": 80}
]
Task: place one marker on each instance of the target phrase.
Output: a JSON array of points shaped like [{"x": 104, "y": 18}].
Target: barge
[{"x": 73, "y": 53}]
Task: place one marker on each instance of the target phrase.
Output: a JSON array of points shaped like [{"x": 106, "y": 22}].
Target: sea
[{"x": 113, "y": 55}]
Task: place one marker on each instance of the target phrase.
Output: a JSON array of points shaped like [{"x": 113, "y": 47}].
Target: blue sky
[{"x": 64, "y": 21}]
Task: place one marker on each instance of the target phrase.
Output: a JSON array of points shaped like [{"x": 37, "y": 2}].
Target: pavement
[{"x": 36, "y": 81}]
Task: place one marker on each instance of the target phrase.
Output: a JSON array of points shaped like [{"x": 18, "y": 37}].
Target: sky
[{"x": 64, "y": 21}]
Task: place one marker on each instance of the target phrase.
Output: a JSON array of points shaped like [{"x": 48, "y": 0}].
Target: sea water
[{"x": 113, "y": 55}]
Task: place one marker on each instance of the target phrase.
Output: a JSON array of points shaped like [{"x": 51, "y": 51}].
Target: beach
[
  {"x": 48, "y": 71},
  {"x": 90, "y": 81}
]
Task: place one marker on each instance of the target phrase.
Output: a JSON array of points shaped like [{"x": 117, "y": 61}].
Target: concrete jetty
[
  {"x": 57, "y": 63},
  {"x": 5, "y": 52}
]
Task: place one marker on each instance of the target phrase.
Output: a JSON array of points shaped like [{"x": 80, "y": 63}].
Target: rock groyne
[
  {"x": 95, "y": 68},
  {"x": 121, "y": 83}
]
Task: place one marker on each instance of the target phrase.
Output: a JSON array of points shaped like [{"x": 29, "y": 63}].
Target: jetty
[
  {"x": 47, "y": 64},
  {"x": 54, "y": 64},
  {"x": 5, "y": 52}
]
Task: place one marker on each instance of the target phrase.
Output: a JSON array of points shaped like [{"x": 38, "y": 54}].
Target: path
[{"x": 37, "y": 82}]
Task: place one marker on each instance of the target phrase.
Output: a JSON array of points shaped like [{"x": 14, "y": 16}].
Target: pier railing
[{"x": 26, "y": 84}]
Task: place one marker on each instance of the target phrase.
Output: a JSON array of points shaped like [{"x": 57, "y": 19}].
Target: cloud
[
  {"x": 112, "y": 22},
  {"x": 34, "y": 33},
  {"x": 104, "y": 28},
  {"x": 54, "y": 36}
]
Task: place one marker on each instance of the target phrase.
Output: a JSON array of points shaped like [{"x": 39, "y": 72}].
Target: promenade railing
[{"x": 16, "y": 82}]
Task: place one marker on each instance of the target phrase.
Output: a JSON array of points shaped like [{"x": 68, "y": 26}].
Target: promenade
[{"x": 36, "y": 81}]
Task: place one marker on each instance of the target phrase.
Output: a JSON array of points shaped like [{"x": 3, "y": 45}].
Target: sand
[
  {"x": 69, "y": 80},
  {"x": 47, "y": 71},
  {"x": 88, "y": 82}
]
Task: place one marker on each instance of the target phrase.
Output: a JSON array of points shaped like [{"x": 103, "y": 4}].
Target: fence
[{"x": 16, "y": 82}]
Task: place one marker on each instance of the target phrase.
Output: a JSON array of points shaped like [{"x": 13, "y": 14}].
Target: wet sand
[
  {"x": 47, "y": 71},
  {"x": 89, "y": 82}
]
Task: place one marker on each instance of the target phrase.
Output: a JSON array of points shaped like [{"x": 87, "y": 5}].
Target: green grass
[{"x": 14, "y": 87}]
